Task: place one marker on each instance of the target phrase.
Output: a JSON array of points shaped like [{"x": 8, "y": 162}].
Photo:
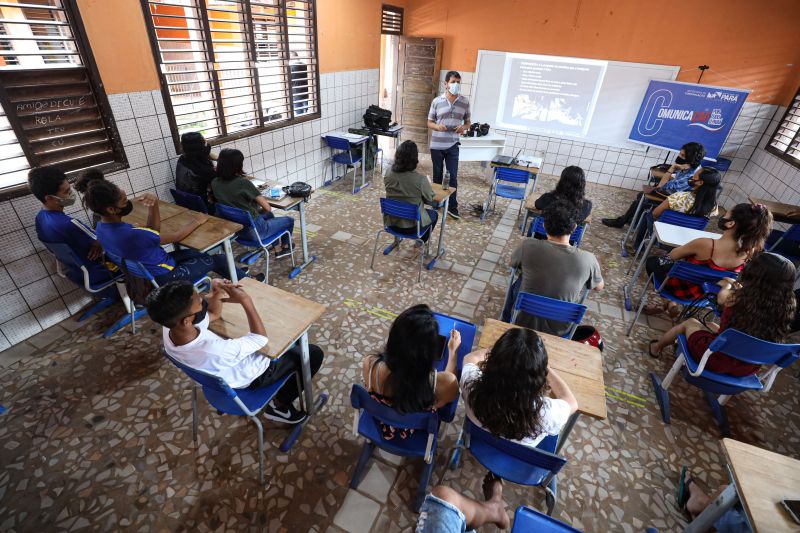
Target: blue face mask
[{"x": 454, "y": 88}]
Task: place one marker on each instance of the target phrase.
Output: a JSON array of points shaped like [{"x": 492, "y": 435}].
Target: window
[
  {"x": 53, "y": 109},
  {"x": 391, "y": 20},
  {"x": 233, "y": 68},
  {"x": 785, "y": 142}
]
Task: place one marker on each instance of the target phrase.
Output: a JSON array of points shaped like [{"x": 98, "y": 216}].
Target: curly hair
[
  {"x": 406, "y": 158},
  {"x": 100, "y": 195},
  {"x": 507, "y": 398},
  {"x": 764, "y": 306},
  {"x": 560, "y": 218},
  {"x": 753, "y": 225},
  {"x": 572, "y": 186},
  {"x": 88, "y": 176}
]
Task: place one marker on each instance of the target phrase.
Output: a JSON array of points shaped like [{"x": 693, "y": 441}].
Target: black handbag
[{"x": 298, "y": 189}]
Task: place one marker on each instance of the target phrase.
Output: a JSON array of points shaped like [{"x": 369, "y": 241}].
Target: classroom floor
[{"x": 97, "y": 435}]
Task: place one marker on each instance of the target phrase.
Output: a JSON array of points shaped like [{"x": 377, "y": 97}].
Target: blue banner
[{"x": 674, "y": 113}]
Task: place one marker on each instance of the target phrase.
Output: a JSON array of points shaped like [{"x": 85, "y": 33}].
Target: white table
[
  {"x": 481, "y": 148},
  {"x": 669, "y": 235},
  {"x": 355, "y": 140}
]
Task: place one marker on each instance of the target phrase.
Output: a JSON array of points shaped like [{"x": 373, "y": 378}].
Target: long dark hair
[
  {"x": 100, "y": 195},
  {"x": 195, "y": 147},
  {"x": 705, "y": 196},
  {"x": 410, "y": 352},
  {"x": 572, "y": 186},
  {"x": 508, "y": 397},
  {"x": 694, "y": 152},
  {"x": 753, "y": 225},
  {"x": 230, "y": 164},
  {"x": 764, "y": 306},
  {"x": 406, "y": 158}
]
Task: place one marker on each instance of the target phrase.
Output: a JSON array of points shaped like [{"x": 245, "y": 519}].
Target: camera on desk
[{"x": 476, "y": 129}]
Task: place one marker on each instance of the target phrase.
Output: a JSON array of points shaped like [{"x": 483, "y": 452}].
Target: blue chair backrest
[
  {"x": 337, "y": 143},
  {"x": 234, "y": 214},
  {"x": 527, "y": 520},
  {"x": 574, "y": 239},
  {"x": 427, "y": 421},
  {"x": 467, "y": 331},
  {"x": 549, "y": 308},
  {"x": 134, "y": 268},
  {"x": 755, "y": 351},
  {"x": 502, "y": 456},
  {"x": 189, "y": 200},
  {"x": 793, "y": 233},
  {"x": 65, "y": 255},
  {"x": 683, "y": 220},
  {"x": 698, "y": 274},
  {"x": 722, "y": 164},
  {"x": 512, "y": 175},
  {"x": 399, "y": 209},
  {"x": 208, "y": 381}
]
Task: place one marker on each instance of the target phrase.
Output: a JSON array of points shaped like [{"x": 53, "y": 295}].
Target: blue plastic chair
[
  {"x": 368, "y": 416},
  {"x": 734, "y": 344},
  {"x": 67, "y": 257},
  {"x": 776, "y": 237},
  {"x": 550, "y": 309},
  {"x": 697, "y": 274},
  {"x": 399, "y": 209},
  {"x": 467, "y": 330},
  {"x": 136, "y": 269},
  {"x": 527, "y": 520},
  {"x": 229, "y": 401},
  {"x": 514, "y": 462},
  {"x": 260, "y": 244},
  {"x": 189, "y": 201},
  {"x": 519, "y": 178},
  {"x": 344, "y": 157},
  {"x": 537, "y": 228}
]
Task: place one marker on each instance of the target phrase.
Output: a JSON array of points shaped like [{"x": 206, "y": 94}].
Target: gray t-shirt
[{"x": 556, "y": 271}]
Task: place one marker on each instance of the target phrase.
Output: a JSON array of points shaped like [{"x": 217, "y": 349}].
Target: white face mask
[{"x": 454, "y": 88}]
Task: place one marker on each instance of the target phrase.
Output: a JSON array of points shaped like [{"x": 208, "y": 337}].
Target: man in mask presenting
[{"x": 448, "y": 118}]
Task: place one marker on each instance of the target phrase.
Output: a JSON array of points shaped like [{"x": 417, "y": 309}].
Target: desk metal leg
[
  {"x": 564, "y": 435},
  {"x": 307, "y": 259},
  {"x": 231, "y": 261},
  {"x": 627, "y": 289},
  {"x": 722, "y": 504},
  {"x": 624, "y": 242},
  {"x": 488, "y": 203},
  {"x": 308, "y": 395},
  {"x": 440, "y": 251}
]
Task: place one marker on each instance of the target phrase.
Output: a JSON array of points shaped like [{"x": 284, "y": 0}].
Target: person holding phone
[{"x": 402, "y": 375}]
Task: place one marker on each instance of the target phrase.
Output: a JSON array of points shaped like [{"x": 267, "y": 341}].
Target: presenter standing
[{"x": 448, "y": 118}]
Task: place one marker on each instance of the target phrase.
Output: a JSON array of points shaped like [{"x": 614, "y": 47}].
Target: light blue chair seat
[
  {"x": 527, "y": 520},
  {"x": 508, "y": 183}
]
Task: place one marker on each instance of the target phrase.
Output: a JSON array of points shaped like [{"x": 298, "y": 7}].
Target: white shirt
[
  {"x": 234, "y": 360},
  {"x": 554, "y": 413}
]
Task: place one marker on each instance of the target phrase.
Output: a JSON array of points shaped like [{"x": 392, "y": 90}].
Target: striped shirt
[{"x": 451, "y": 115}]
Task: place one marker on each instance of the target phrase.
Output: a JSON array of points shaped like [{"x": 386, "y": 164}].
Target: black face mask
[
  {"x": 201, "y": 315},
  {"x": 721, "y": 221},
  {"x": 127, "y": 210},
  {"x": 680, "y": 161}
]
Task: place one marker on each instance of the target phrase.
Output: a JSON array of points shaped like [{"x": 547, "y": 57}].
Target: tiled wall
[
  {"x": 33, "y": 297},
  {"x": 627, "y": 168}
]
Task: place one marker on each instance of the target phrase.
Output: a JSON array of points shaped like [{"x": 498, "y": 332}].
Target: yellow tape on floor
[{"x": 371, "y": 309}]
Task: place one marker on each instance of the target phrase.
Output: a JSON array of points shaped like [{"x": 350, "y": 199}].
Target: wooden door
[{"x": 418, "y": 62}]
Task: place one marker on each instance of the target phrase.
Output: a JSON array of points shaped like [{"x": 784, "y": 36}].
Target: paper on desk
[{"x": 531, "y": 161}]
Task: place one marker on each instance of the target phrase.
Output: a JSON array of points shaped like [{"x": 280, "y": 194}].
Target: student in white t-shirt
[
  {"x": 505, "y": 389},
  {"x": 186, "y": 315}
]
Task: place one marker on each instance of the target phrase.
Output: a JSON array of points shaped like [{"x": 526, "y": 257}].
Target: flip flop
[
  {"x": 650, "y": 350},
  {"x": 488, "y": 485},
  {"x": 683, "y": 490}
]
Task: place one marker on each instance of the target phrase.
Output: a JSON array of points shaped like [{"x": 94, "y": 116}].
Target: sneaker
[
  {"x": 613, "y": 222},
  {"x": 454, "y": 213},
  {"x": 287, "y": 415}
]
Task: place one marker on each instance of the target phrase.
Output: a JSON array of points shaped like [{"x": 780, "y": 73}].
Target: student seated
[
  {"x": 404, "y": 184},
  {"x": 448, "y": 511},
  {"x": 50, "y": 186},
  {"x": 194, "y": 170},
  {"x": 143, "y": 244},
  {"x": 761, "y": 304},
  {"x": 82, "y": 183},
  {"x": 676, "y": 179},
  {"x": 232, "y": 187},
  {"x": 693, "y": 500},
  {"x": 186, "y": 315},
  {"x": 700, "y": 201},
  {"x": 555, "y": 269},
  {"x": 402, "y": 375},
  {"x": 744, "y": 230},
  {"x": 505, "y": 389},
  {"x": 571, "y": 187}
]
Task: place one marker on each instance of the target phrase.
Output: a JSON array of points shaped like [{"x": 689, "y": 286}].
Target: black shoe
[
  {"x": 286, "y": 415},
  {"x": 260, "y": 277},
  {"x": 454, "y": 213},
  {"x": 613, "y": 222}
]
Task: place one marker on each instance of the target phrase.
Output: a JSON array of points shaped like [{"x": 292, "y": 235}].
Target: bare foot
[
  {"x": 493, "y": 488},
  {"x": 698, "y": 499}
]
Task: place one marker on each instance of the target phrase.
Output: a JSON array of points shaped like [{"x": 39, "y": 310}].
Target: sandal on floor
[
  {"x": 488, "y": 485},
  {"x": 683, "y": 490},
  {"x": 653, "y": 309},
  {"x": 650, "y": 349},
  {"x": 673, "y": 311}
]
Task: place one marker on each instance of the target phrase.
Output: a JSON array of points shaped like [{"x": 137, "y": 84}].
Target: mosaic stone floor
[{"x": 97, "y": 434}]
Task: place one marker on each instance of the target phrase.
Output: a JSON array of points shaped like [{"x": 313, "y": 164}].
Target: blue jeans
[
  {"x": 192, "y": 265},
  {"x": 439, "y": 516},
  {"x": 268, "y": 224},
  {"x": 449, "y": 158},
  {"x": 413, "y": 231}
]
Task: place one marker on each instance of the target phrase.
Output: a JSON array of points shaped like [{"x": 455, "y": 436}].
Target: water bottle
[{"x": 446, "y": 181}]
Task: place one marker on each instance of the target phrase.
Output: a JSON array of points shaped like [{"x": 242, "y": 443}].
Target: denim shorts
[
  {"x": 733, "y": 521},
  {"x": 439, "y": 516}
]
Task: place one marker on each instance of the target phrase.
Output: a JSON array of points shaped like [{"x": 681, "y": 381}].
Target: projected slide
[{"x": 549, "y": 95}]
